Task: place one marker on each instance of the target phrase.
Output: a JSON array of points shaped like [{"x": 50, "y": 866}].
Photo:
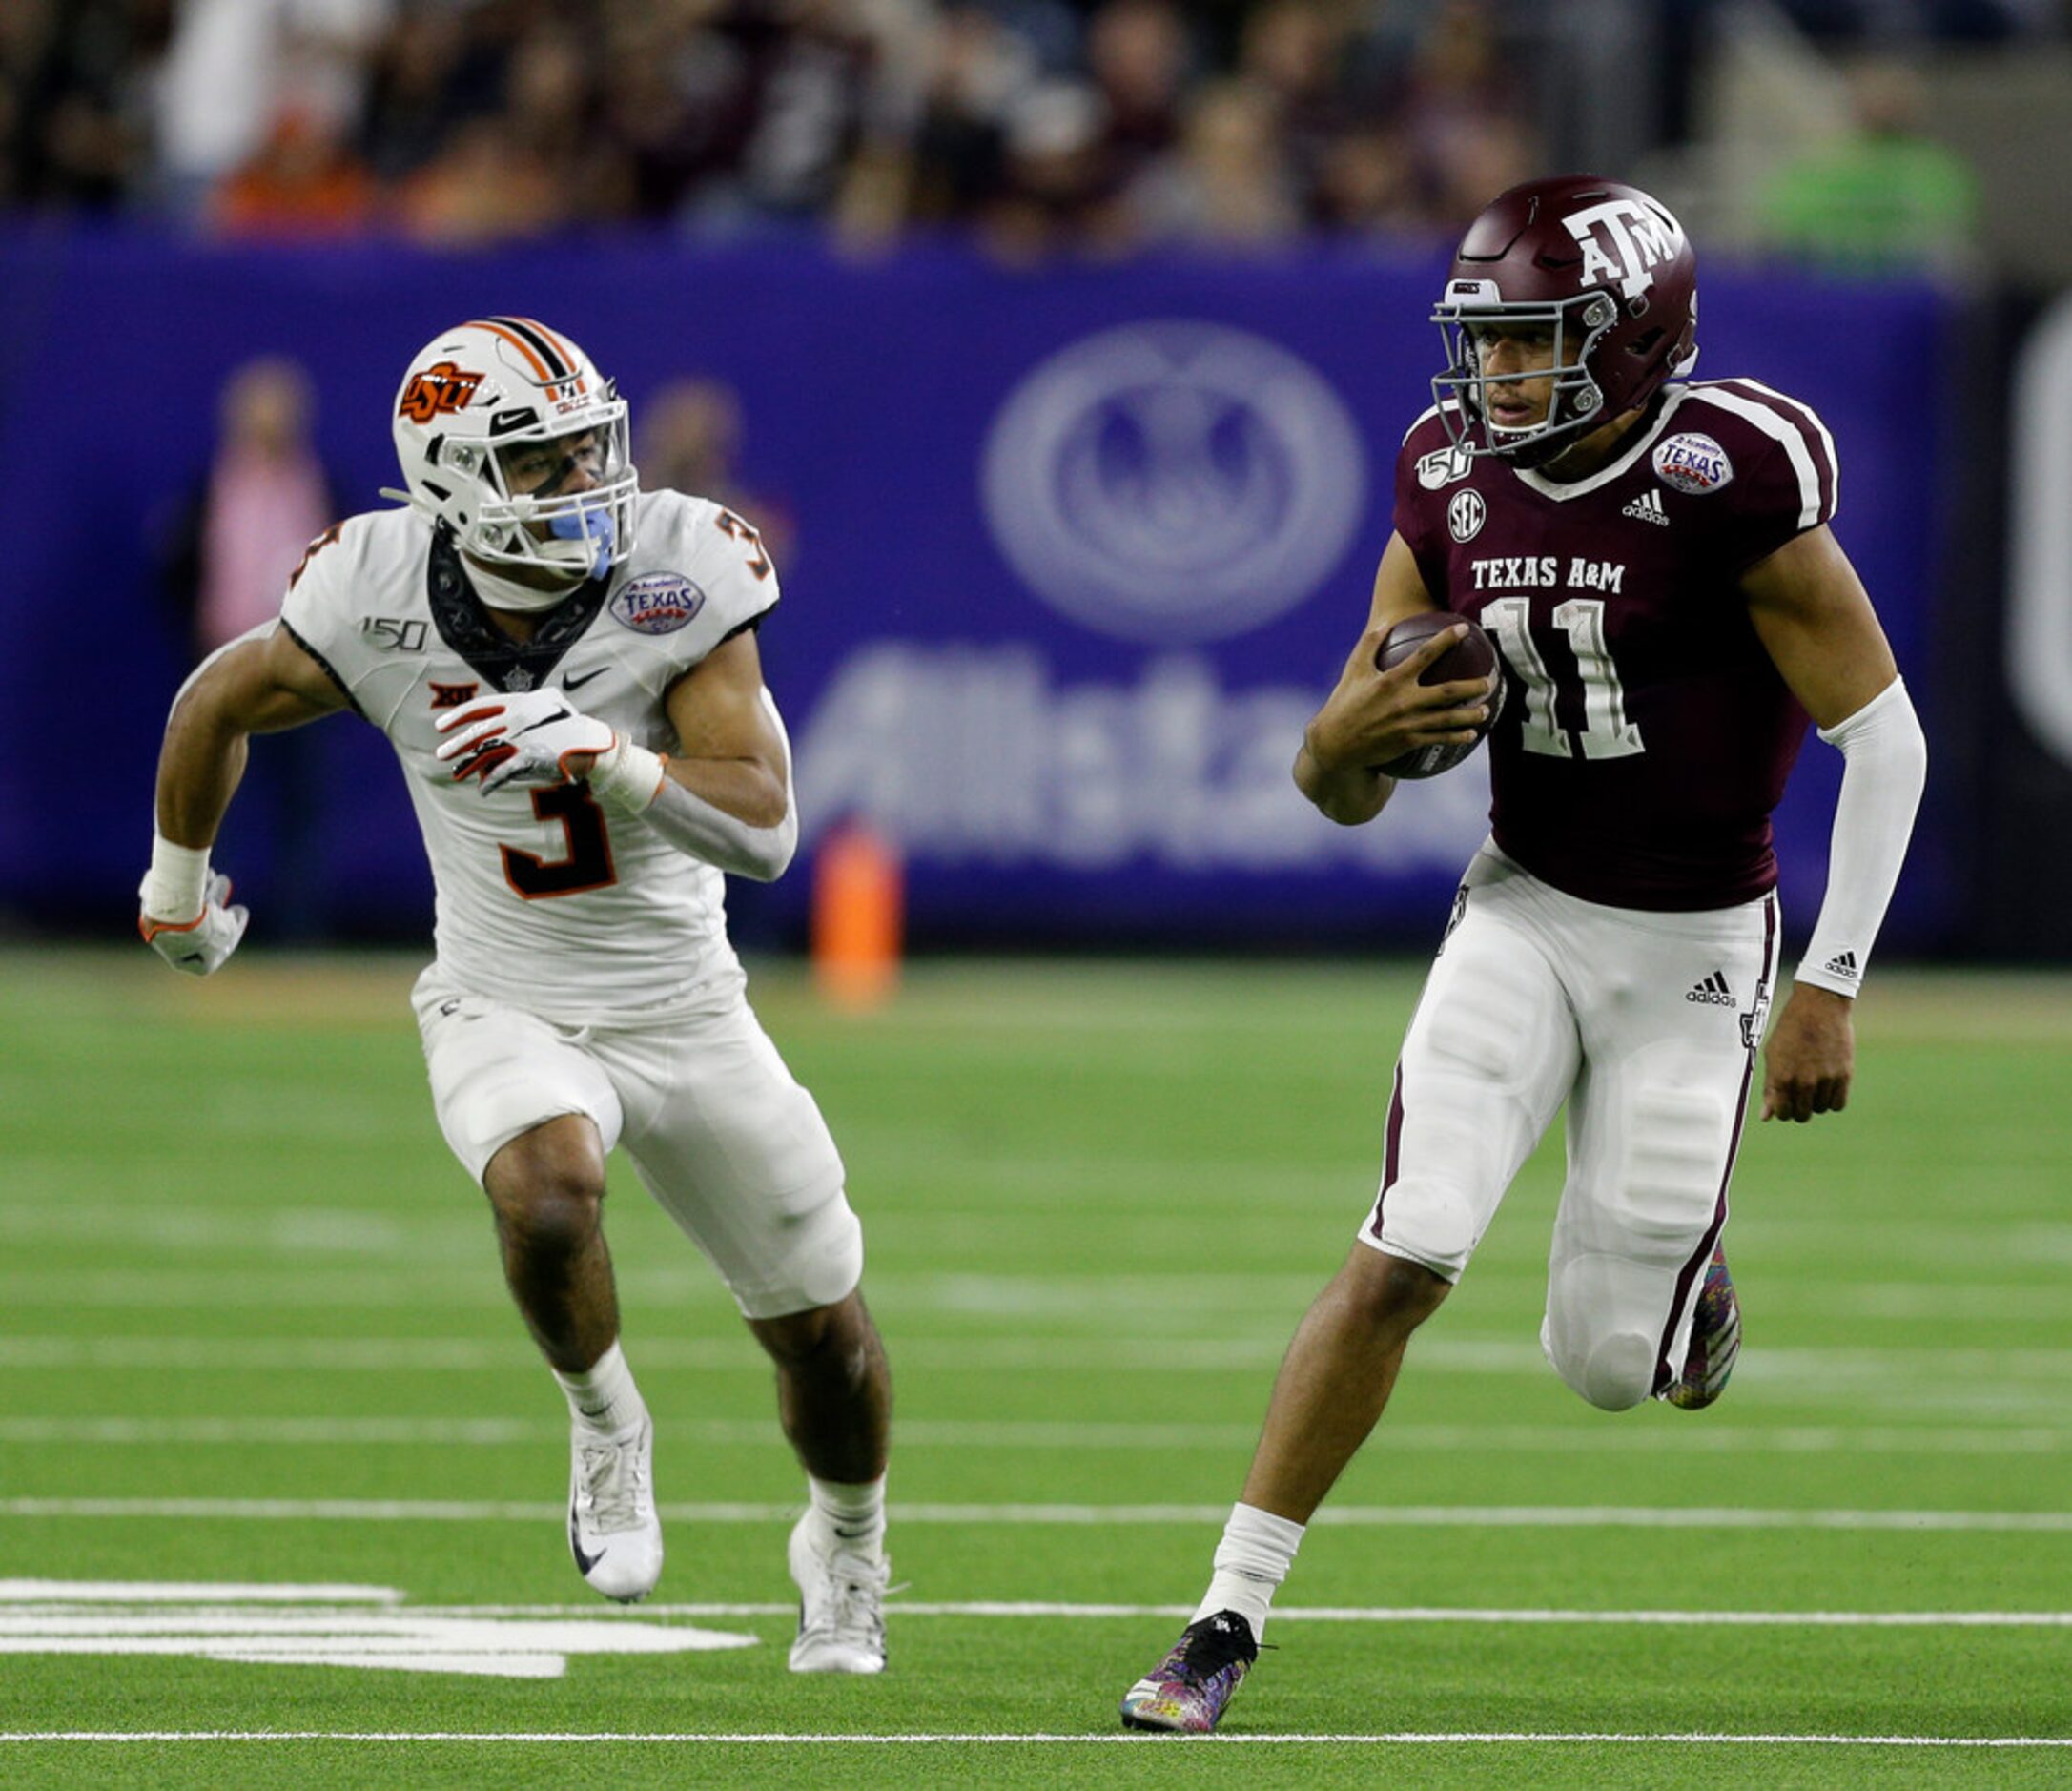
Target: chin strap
[
  {"x": 500, "y": 592},
  {"x": 508, "y": 594}
]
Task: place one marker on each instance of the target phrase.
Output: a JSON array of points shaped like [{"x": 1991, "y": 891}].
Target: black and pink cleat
[
  {"x": 1187, "y": 1692},
  {"x": 1715, "y": 1341}
]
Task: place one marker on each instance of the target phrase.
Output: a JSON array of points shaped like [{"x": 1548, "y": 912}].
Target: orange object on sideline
[{"x": 859, "y": 912}]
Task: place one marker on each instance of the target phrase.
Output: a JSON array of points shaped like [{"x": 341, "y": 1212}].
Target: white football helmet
[{"x": 475, "y": 395}]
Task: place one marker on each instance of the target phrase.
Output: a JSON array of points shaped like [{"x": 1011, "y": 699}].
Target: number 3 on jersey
[
  {"x": 588, "y": 864},
  {"x": 750, "y": 537},
  {"x": 1605, "y": 733}
]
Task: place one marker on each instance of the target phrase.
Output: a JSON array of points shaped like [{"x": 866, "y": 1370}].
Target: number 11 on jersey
[{"x": 1607, "y": 732}]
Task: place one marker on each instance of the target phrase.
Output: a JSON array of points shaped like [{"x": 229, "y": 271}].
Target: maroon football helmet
[{"x": 1607, "y": 268}]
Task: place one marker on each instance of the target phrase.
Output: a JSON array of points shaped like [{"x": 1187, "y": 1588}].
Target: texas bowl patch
[
  {"x": 660, "y": 602},
  {"x": 1692, "y": 463}
]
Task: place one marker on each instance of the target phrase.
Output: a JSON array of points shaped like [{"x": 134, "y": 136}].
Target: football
[{"x": 1472, "y": 656}]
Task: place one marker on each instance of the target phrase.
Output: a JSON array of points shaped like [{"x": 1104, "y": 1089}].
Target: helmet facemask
[
  {"x": 510, "y": 525},
  {"x": 1576, "y": 402}
]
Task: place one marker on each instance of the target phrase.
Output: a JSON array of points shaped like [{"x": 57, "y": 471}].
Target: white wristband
[
  {"x": 628, "y": 776},
  {"x": 175, "y": 887}
]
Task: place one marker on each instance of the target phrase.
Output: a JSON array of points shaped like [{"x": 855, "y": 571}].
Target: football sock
[
  {"x": 1251, "y": 1561},
  {"x": 853, "y": 1511},
  {"x": 604, "y": 1398}
]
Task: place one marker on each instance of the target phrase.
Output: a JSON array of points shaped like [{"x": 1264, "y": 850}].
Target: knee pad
[
  {"x": 813, "y": 1257},
  {"x": 1430, "y": 1223},
  {"x": 1614, "y": 1372},
  {"x": 1602, "y": 1346}
]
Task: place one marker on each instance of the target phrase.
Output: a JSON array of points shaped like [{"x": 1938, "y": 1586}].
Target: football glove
[
  {"x": 528, "y": 739},
  {"x": 201, "y": 945}
]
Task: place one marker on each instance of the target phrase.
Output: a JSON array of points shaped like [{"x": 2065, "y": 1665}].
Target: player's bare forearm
[
  {"x": 199, "y": 768},
  {"x": 750, "y": 789},
  {"x": 730, "y": 749},
  {"x": 745, "y": 825},
  {"x": 1810, "y": 1058},
  {"x": 1351, "y": 794},
  {"x": 253, "y": 687},
  {"x": 727, "y": 795},
  {"x": 1373, "y": 717}
]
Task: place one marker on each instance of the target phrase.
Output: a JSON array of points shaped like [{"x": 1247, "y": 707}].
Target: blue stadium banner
[{"x": 1068, "y": 554}]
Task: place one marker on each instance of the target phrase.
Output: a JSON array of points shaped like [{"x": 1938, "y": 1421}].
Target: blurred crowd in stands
[{"x": 1037, "y": 125}]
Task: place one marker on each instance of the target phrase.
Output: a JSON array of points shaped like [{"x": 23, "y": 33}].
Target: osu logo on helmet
[{"x": 441, "y": 387}]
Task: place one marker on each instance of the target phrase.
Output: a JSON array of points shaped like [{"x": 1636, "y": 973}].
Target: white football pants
[
  {"x": 1647, "y": 1024},
  {"x": 719, "y": 1131}
]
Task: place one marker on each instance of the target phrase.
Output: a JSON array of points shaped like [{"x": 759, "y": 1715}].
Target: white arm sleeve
[
  {"x": 1885, "y": 762},
  {"x": 635, "y": 781}
]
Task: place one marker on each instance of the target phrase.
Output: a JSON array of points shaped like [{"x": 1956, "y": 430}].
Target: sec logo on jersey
[
  {"x": 1692, "y": 463},
  {"x": 1464, "y": 515},
  {"x": 660, "y": 602}
]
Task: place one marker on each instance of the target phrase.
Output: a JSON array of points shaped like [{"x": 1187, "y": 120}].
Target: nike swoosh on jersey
[{"x": 576, "y": 684}]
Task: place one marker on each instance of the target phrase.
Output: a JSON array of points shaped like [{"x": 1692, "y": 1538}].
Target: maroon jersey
[{"x": 1647, "y": 735}]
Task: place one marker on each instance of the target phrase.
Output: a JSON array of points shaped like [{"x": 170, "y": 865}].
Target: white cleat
[
  {"x": 841, "y": 1603},
  {"x": 613, "y": 1531}
]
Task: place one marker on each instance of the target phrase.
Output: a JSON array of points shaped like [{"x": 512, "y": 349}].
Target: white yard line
[
  {"x": 362, "y": 1355},
  {"x": 14, "y": 1591},
  {"x": 1577, "y": 1438},
  {"x": 1412, "y": 1516},
  {"x": 1852, "y": 1363},
  {"x": 1041, "y": 1609},
  {"x": 33, "y": 1602},
  {"x": 1092, "y": 1308},
  {"x": 752, "y": 1738}
]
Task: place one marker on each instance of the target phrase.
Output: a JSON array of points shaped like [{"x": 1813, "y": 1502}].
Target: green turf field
[{"x": 253, "y": 1337}]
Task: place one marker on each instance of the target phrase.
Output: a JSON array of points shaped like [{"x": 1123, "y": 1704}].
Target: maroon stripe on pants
[
  {"x": 1390, "y": 1146},
  {"x": 1664, "y": 1373}
]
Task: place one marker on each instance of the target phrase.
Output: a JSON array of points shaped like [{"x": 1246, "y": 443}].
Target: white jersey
[{"x": 544, "y": 900}]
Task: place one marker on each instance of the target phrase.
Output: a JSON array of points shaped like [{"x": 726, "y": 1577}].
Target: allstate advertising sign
[
  {"x": 1178, "y": 517},
  {"x": 1170, "y": 481},
  {"x": 1109, "y": 742},
  {"x": 1161, "y": 492},
  {"x": 1072, "y": 552}
]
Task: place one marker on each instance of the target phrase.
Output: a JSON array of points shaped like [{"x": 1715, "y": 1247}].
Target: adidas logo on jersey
[
  {"x": 1713, "y": 991},
  {"x": 1648, "y": 507},
  {"x": 1843, "y": 964}
]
